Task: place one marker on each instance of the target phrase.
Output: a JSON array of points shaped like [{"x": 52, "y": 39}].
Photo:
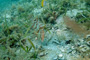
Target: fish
[{"x": 43, "y": 3}]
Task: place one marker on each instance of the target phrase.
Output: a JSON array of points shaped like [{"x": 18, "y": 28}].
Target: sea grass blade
[{"x": 31, "y": 43}]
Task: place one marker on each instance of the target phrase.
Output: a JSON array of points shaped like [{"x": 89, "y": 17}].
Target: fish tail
[
  {"x": 42, "y": 3},
  {"x": 42, "y": 35}
]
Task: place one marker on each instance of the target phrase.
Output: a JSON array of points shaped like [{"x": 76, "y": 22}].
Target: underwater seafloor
[{"x": 54, "y": 30}]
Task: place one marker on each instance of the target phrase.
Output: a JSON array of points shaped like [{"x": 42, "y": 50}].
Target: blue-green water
[{"x": 6, "y": 4}]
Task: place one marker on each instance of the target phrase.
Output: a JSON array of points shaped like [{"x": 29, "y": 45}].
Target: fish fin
[
  {"x": 42, "y": 35},
  {"x": 42, "y": 3}
]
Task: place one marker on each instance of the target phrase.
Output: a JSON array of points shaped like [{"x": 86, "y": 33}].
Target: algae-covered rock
[
  {"x": 14, "y": 40},
  {"x": 10, "y": 29},
  {"x": 20, "y": 9}
]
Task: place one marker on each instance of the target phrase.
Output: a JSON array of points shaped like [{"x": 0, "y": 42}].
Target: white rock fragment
[
  {"x": 36, "y": 38},
  {"x": 42, "y": 54},
  {"x": 59, "y": 32},
  {"x": 72, "y": 47},
  {"x": 62, "y": 50},
  {"x": 60, "y": 55}
]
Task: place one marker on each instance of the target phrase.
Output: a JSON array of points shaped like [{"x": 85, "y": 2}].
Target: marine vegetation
[{"x": 45, "y": 30}]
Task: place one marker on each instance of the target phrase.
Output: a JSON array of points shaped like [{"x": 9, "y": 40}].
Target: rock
[
  {"x": 42, "y": 54},
  {"x": 58, "y": 31},
  {"x": 62, "y": 50},
  {"x": 60, "y": 55},
  {"x": 8, "y": 16},
  {"x": 72, "y": 47},
  {"x": 36, "y": 38}
]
